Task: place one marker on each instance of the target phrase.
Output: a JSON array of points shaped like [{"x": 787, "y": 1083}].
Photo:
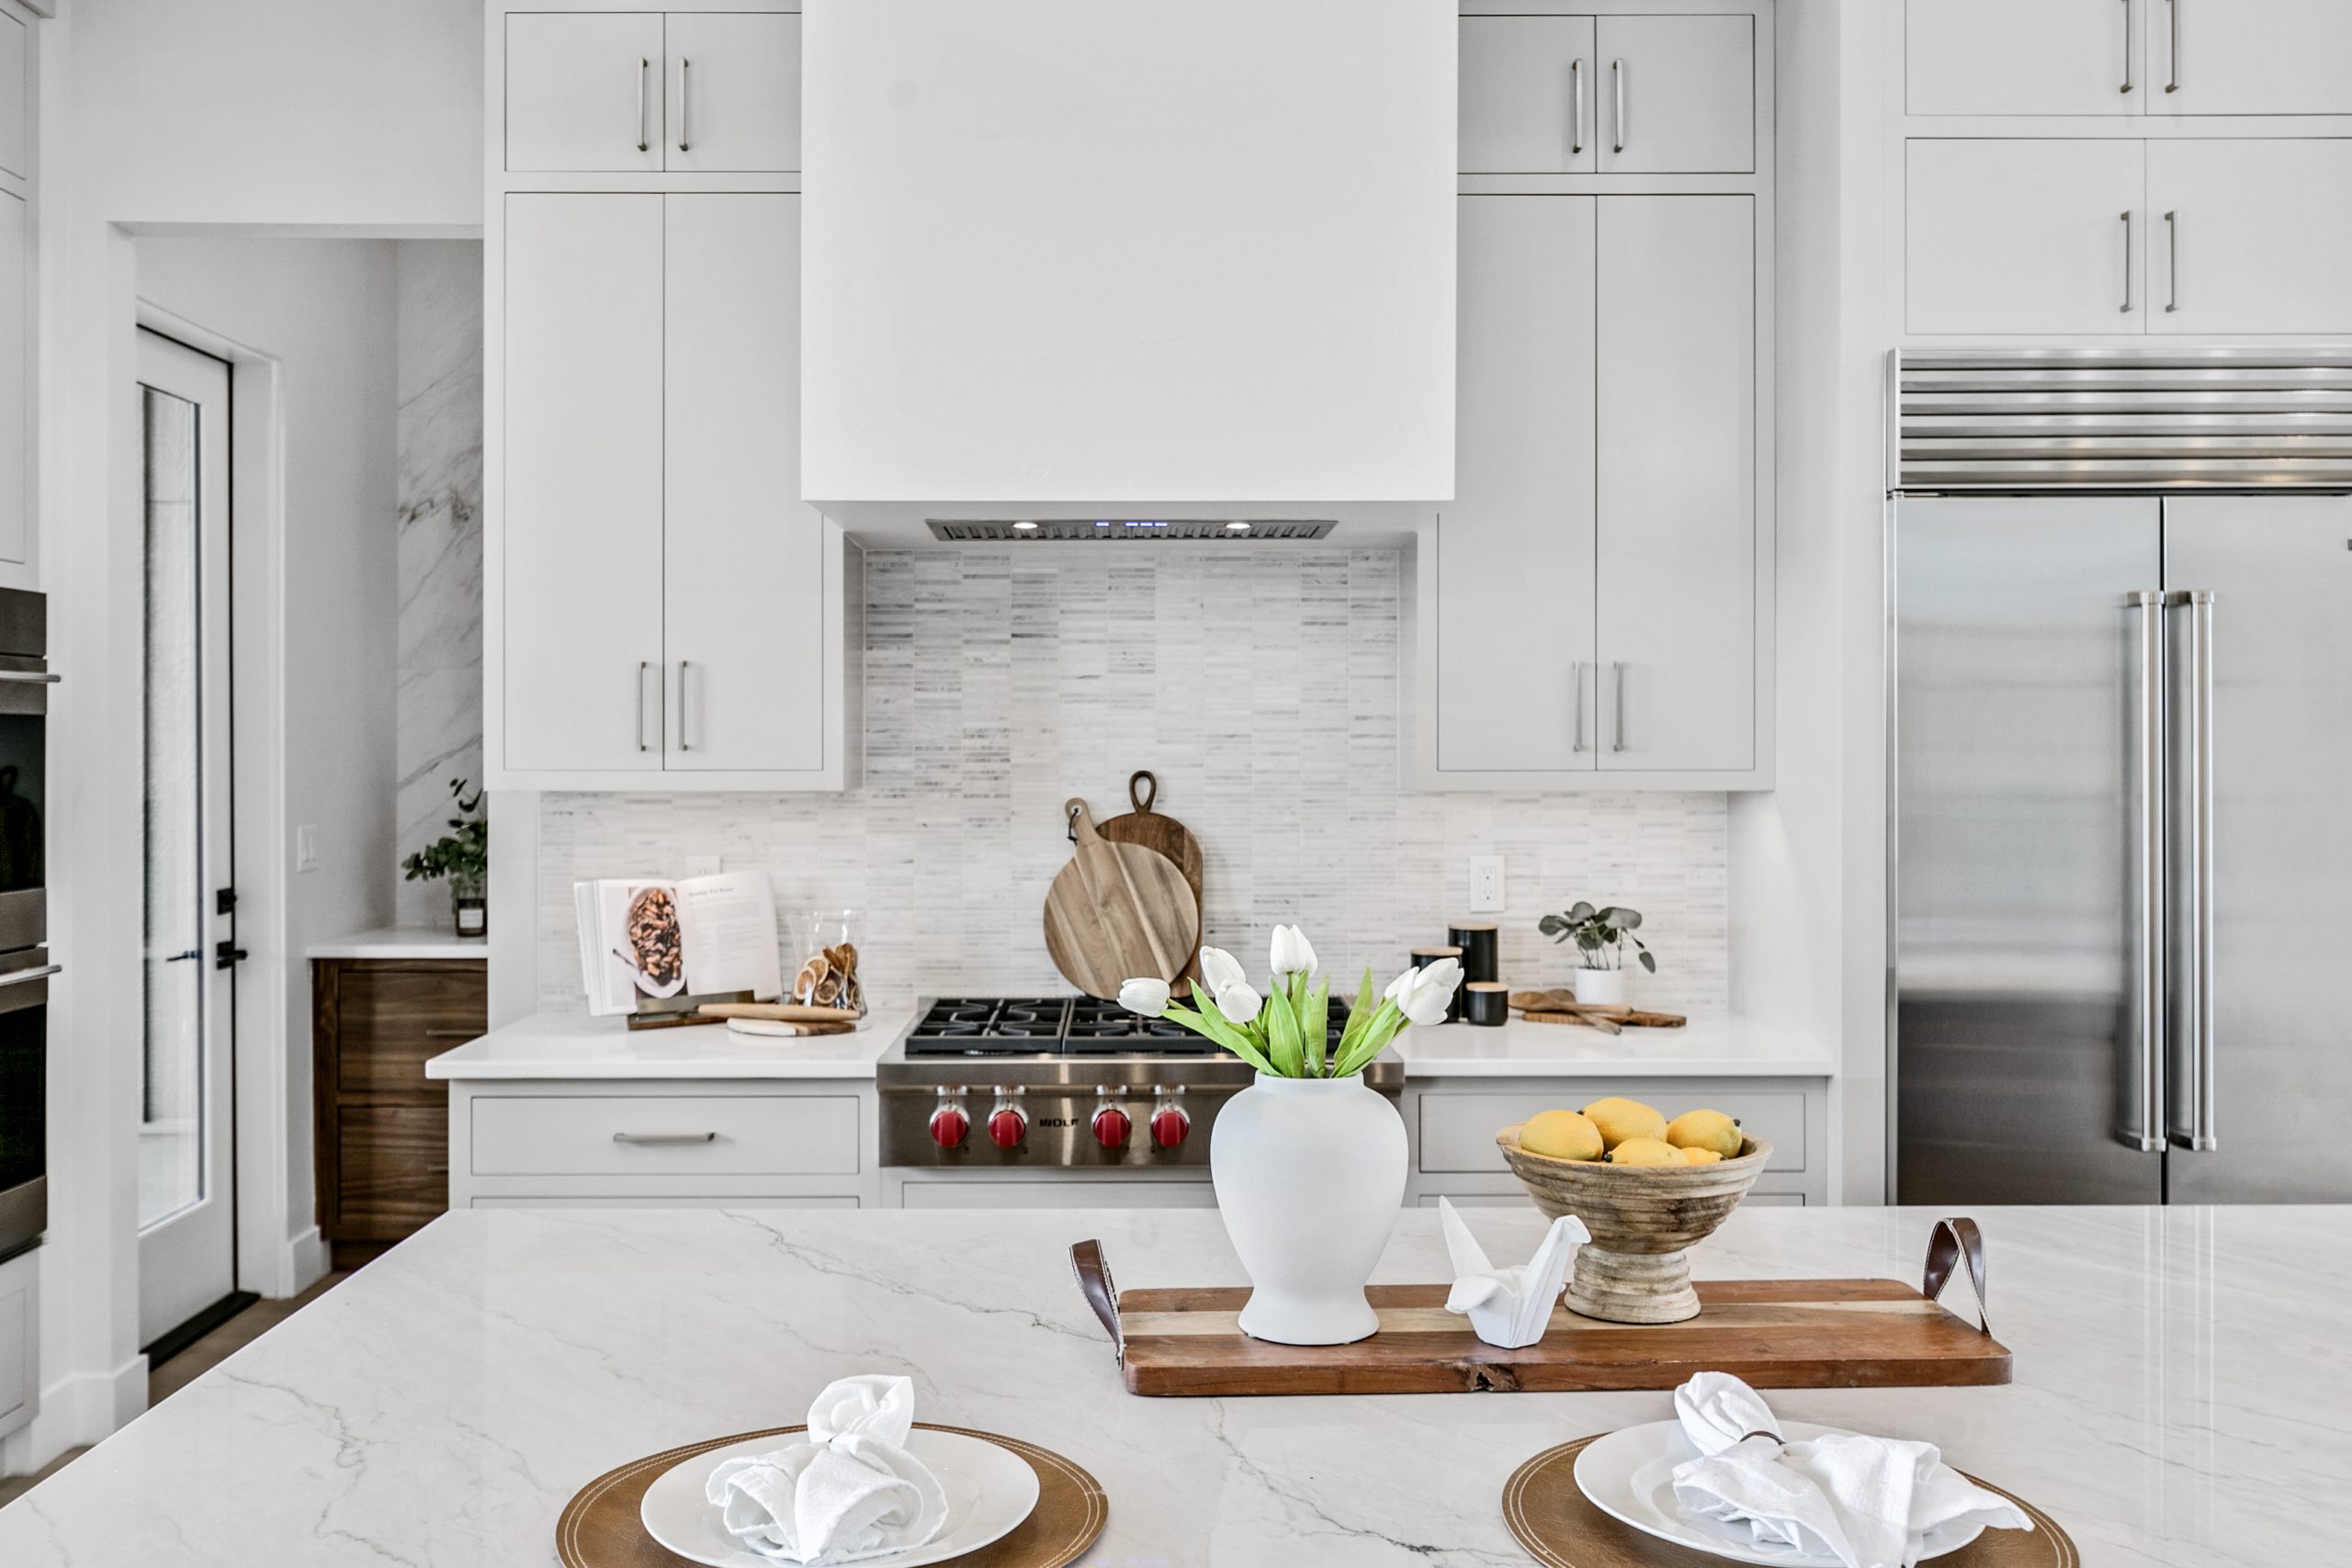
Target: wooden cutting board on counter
[
  {"x": 1161, "y": 833},
  {"x": 1117, "y": 911}
]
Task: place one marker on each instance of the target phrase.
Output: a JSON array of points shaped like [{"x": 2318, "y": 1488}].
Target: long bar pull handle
[
  {"x": 1617, "y": 86},
  {"x": 644, "y": 141},
  {"x": 2128, "y": 82},
  {"x": 2172, "y": 80},
  {"x": 2191, "y": 1024},
  {"x": 1617, "y": 741},
  {"x": 642, "y": 666},
  {"x": 665, "y": 1137},
  {"x": 2172, "y": 261},
  {"x": 2127, "y": 260},
  {"x": 19, "y": 976},
  {"x": 1576, "y": 108},
  {"x": 1575, "y": 674},
  {"x": 29, "y": 678},
  {"x": 683, "y": 64},
  {"x": 2139, "y": 1100},
  {"x": 684, "y": 743}
]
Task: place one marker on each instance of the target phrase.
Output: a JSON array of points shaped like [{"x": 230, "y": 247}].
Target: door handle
[
  {"x": 643, "y": 665},
  {"x": 1617, "y": 88},
  {"x": 1575, "y": 676},
  {"x": 227, "y": 955},
  {"x": 2191, "y": 1026},
  {"x": 2140, "y": 1102},
  {"x": 2128, "y": 82},
  {"x": 2172, "y": 81},
  {"x": 184, "y": 957},
  {"x": 1576, "y": 106},
  {"x": 20, "y": 977},
  {"x": 684, "y": 744},
  {"x": 665, "y": 1137},
  {"x": 644, "y": 69},
  {"x": 682, "y": 63},
  {"x": 1617, "y": 739},
  {"x": 29, "y": 678},
  {"x": 2172, "y": 261},
  {"x": 2127, "y": 260}
]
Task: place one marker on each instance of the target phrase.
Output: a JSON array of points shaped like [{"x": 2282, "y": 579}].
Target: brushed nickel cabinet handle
[
  {"x": 1617, "y": 84},
  {"x": 441, "y": 1169},
  {"x": 682, "y": 63},
  {"x": 2128, "y": 82},
  {"x": 2127, "y": 263},
  {"x": 1575, "y": 674},
  {"x": 642, "y": 666},
  {"x": 665, "y": 1137},
  {"x": 29, "y": 678},
  {"x": 20, "y": 977},
  {"x": 2172, "y": 81},
  {"x": 684, "y": 744},
  {"x": 1576, "y": 108},
  {"x": 2172, "y": 262},
  {"x": 644, "y": 68},
  {"x": 451, "y": 1034},
  {"x": 1617, "y": 742}
]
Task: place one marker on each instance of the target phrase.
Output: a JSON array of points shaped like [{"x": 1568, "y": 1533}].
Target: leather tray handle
[
  {"x": 1094, "y": 1284},
  {"x": 1952, "y": 1240}
]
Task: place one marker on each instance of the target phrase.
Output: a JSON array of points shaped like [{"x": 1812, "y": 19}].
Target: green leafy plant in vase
[
  {"x": 462, "y": 856},
  {"x": 1601, "y": 935}
]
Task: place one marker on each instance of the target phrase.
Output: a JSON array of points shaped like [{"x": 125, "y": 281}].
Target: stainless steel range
[{"x": 984, "y": 1083}]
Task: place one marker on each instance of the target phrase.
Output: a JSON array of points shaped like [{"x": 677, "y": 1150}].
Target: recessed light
[
  {"x": 1025, "y": 527},
  {"x": 1237, "y": 527}
]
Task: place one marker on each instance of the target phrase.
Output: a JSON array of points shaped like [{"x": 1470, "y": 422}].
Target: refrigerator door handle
[
  {"x": 2140, "y": 1111},
  {"x": 2189, "y": 1121}
]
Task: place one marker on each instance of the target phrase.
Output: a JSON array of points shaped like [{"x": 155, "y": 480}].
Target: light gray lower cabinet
[{"x": 19, "y": 1340}]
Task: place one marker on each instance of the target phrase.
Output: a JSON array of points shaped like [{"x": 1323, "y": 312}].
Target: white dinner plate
[
  {"x": 1629, "y": 1476},
  {"x": 989, "y": 1491}
]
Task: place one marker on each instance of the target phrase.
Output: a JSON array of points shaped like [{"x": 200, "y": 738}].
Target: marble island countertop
[{"x": 2181, "y": 1380}]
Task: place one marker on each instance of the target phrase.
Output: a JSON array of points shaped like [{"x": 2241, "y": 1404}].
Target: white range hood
[{"x": 1127, "y": 261}]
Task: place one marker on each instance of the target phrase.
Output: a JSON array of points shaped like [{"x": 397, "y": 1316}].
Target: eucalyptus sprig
[
  {"x": 464, "y": 854},
  {"x": 1284, "y": 1034}
]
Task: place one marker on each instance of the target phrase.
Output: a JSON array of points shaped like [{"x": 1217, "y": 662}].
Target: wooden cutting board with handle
[
  {"x": 1157, "y": 831},
  {"x": 1116, "y": 911}
]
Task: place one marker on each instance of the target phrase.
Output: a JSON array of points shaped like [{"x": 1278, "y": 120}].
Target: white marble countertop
[
  {"x": 401, "y": 942},
  {"x": 2181, "y": 1384},
  {"x": 1721, "y": 1044},
  {"x": 573, "y": 1045}
]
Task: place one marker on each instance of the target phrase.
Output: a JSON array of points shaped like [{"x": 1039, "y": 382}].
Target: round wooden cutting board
[
  {"x": 1160, "y": 832},
  {"x": 1117, "y": 911}
]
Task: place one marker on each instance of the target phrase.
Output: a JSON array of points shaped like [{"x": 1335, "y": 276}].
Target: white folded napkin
[
  {"x": 1869, "y": 1500},
  {"x": 849, "y": 1491},
  {"x": 1507, "y": 1307}
]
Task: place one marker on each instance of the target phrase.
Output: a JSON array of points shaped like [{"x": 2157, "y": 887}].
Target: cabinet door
[
  {"x": 2250, "y": 56},
  {"x": 2023, "y": 57},
  {"x": 14, "y": 99},
  {"x": 744, "y": 574},
  {"x": 16, "y": 393},
  {"x": 1676, "y": 542},
  {"x": 734, "y": 95},
  {"x": 584, "y": 90},
  {"x": 1677, "y": 95},
  {"x": 582, "y": 560},
  {"x": 2025, "y": 236},
  {"x": 2250, "y": 236},
  {"x": 1527, "y": 95},
  {"x": 1514, "y": 554}
]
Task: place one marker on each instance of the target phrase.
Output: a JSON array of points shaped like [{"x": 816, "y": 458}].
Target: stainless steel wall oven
[{"x": 25, "y": 966}]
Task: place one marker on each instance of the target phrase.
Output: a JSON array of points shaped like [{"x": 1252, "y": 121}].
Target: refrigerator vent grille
[
  {"x": 961, "y": 531},
  {"x": 2106, "y": 419}
]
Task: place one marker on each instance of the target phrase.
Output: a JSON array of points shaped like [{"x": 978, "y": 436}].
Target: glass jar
[{"x": 826, "y": 973}]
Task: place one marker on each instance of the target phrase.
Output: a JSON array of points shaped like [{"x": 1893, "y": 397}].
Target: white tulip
[
  {"x": 1144, "y": 995},
  {"x": 1425, "y": 995},
  {"x": 1220, "y": 969},
  {"x": 1238, "y": 1003},
  {"x": 1293, "y": 954}
]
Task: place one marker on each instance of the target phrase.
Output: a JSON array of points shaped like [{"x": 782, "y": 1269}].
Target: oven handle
[
  {"x": 30, "y": 677},
  {"x": 20, "y": 977}
]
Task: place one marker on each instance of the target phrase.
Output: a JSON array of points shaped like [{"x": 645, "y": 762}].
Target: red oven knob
[
  {"x": 1169, "y": 1124},
  {"x": 1111, "y": 1127},
  {"x": 1007, "y": 1126},
  {"x": 949, "y": 1127}
]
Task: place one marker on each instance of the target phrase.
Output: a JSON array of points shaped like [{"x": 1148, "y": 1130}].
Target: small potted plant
[
  {"x": 1308, "y": 1162},
  {"x": 1600, "y": 936},
  {"x": 462, "y": 856}
]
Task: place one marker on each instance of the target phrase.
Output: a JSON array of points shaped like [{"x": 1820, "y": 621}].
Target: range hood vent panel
[{"x": 1095, "y": 530}]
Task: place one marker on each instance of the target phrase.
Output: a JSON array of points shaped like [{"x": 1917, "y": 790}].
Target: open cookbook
[{"x": 650, "y": 939}]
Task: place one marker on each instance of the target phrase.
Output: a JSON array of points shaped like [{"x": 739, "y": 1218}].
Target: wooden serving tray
[{"x": 1772, "y": 1333}]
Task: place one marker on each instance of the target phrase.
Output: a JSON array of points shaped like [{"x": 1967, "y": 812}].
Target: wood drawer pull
[
  {"x": 451, "y": 1034},
  {"x": 665, "y": 1137}
]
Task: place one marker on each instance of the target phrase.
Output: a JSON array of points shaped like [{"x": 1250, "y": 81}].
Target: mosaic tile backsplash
[{"x": 1263, "y": 688}]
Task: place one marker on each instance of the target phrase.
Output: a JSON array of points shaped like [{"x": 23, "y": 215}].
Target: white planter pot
[
  {"x": 1309, "y": 1174},
  {"x": 1601, "y": 987}
]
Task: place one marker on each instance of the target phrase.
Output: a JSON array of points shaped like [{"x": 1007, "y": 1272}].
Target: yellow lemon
[
  {"x": 1621, "y": 1119},
  {"x": 1704, "y": 1130},
  {"x": 1563, "y": 1134},
  {"x": 1702, "y": 1156},
  {"x": 1645, "y": 1151}
]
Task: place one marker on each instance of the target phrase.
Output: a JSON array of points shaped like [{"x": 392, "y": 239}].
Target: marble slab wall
[
  {"x": 1262, "y": 687},
  {"x": 439, "y": 669}
]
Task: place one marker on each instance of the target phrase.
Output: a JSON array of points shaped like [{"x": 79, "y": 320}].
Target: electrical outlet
[
  {"x": 306, "y": 848},
  {"x": 701, "y": 866},
  {"x": 1487, "y": 885}
]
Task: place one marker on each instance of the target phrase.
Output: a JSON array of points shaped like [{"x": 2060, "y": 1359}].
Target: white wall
[{"x": 363, "y": 115}]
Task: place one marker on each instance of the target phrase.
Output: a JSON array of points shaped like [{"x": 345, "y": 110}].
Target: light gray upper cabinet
[
  {"x": 1626, "y": 95},
  {"x": 2262, "y": 57},
  {"x": 607, "y": 91},
  {"x": 16, "y": 127},
  {"x": 1589, "y": 606},
  {"x": 2250, "y": 236},
  {"x": 2026, "y": 236},
  {"x": 2024, "y": 57}
]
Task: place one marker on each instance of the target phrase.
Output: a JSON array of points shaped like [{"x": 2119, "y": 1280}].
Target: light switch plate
[
  {"x": 1487, "y": 885},
  {"x": 306, "y": 847},
  {"x": 701, "y": 866}
]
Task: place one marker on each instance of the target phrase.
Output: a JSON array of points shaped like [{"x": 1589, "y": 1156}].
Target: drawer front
[
  {"x": 1458, "y": 1130},
  {"x": 1479, "y": 1200},
  {"x": 389, "y": 1019},
  {"x": 1060, "y": 1195},
  {"x": 666, "y": 1136},
  {"x": 391, "y": 1170},
  {"x": 1776, "y": 1200},
  {"x": 721, "y": 1202}
]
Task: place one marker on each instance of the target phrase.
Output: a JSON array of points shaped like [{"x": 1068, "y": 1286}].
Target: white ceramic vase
[
  {"x": 1601, "y": 987},
  {"x": 1309, "y": 1174}
]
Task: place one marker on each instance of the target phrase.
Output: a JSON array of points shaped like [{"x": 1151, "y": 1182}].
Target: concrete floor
[{"x": 190, "y": 1364}]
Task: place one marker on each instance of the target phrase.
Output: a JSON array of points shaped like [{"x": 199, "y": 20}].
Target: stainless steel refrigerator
[{"x": 2122, "y": 734}]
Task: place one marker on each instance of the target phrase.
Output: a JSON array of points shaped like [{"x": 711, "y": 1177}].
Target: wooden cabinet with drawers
[{"x": 383, "y": 1130}]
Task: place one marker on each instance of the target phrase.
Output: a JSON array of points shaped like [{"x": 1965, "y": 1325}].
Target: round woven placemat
[
  {"x": 600, "y": 1528},
  {"x": 1559, "y": 1526}
]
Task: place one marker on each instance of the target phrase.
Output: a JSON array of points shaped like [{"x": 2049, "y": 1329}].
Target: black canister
[
  {"x": 1485, "y": 1003},
  {"x": 1479, "y": 955},
  {"x": 1424, "y": 956}
]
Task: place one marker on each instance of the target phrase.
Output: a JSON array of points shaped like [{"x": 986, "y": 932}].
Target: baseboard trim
[
  {"x": 306, "y": 1260},
  {"x": 76, "y": 1411}
]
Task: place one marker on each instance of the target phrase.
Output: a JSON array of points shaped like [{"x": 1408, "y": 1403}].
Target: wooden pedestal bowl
[{"x": 1642, "y": 1217}]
